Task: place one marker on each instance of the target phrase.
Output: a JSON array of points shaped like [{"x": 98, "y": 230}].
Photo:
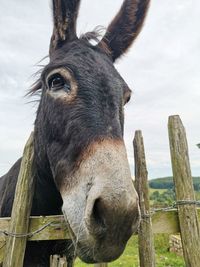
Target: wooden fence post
[
  {"x": 15, "y": 247},
  {"x": 145, "y": 233},
  {"x": 188, "y": 219},
  {"x": 57, "y": 261}
]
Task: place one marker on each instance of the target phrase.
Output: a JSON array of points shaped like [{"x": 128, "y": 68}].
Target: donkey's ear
[
  {"x": 65, "y": 14},
  {"x": 125, "y": 27}
]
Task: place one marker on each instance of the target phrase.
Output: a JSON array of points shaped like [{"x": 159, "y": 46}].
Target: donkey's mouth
[
  {"x": 71, "y": 233},
  {"x": 99, "y": 253},
  {"x": 90, "y": 250}
]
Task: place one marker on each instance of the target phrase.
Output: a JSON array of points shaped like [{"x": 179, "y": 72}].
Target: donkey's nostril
[{"x": 98, "y": 213}]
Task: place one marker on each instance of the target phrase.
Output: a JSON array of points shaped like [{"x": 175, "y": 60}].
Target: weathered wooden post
[
  {"x": 16, "y": 245},
  {"x": 188, "y": 219},
  {"x": 57, "y": 261},
  {"x": 145, "y": 233}
]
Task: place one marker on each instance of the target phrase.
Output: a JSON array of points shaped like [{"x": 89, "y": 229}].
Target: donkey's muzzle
[
  {"x": 102, "y": 207},
  {"x": 111, "y": 223},
  {"x": 111, "y": 217}
]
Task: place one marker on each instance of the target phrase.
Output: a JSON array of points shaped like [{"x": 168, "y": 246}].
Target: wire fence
[
  {"x": 28, "y": 235},
  {"x": 174, "y": 206}
]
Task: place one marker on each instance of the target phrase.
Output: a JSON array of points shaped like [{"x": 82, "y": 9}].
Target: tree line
[{"x": 167, "y": 183}]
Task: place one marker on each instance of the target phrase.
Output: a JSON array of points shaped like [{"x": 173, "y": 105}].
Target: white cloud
[{"x": 162, "y": 68}]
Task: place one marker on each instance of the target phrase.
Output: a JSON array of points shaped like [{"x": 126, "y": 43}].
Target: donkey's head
[{"x": 79, "y": 130}]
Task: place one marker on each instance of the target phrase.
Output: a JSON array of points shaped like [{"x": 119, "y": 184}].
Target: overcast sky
[{"x": 162, "y": 68}]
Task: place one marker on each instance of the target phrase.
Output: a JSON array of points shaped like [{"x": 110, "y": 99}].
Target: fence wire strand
[
  {"x": 175, "y": 205},
  {"x": 29, "y": 235}
]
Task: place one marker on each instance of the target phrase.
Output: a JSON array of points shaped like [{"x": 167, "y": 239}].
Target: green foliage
[
  {"x": 196, "y": 182},
  {"x": 167, "y": 183},
  {"x": 163, "y": 198},
  {"x": 197, "y": 195},
  {"x": 162, "y": 183},
  {"x": 130, "y": 257}
]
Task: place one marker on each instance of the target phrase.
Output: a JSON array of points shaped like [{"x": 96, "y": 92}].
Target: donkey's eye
[
  {"x": 57, "y": 82},
  {"x": 127, "y": 95},
  {"x": 127, "y": 99}
]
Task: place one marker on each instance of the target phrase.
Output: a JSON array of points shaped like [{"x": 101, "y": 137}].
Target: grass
[{"x": 130, "y": 257}]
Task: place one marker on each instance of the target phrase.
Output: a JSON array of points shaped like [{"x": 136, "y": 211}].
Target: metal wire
[
  {"x": 187, "y": 202},
  {"x": 29, "y": 235},
  {"x": 174, "y": 206},
  {"x": 178, "y": 203}
]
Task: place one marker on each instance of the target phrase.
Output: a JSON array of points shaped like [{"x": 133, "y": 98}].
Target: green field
[
  {"x": 130, "y": 256},
  {"x": 164, "y": 258}
]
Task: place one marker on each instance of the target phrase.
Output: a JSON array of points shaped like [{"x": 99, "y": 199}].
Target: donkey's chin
[
  {"x": 99, "y": 253},
  {"x": 94, "y": 251}
]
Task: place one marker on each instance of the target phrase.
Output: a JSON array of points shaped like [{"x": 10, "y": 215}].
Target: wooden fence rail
[
  {"x": 162, "y": 222},
  {"x": 184, "y": 220}
]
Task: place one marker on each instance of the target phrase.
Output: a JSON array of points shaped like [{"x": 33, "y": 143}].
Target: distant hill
[{"x": 167, "y": 183}]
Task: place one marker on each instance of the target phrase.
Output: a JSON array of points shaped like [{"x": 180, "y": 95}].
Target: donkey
[{"x": 80, "y": 158}]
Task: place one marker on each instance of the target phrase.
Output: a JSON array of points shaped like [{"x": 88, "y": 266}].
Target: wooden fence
[{"x": 15, "y": 232}]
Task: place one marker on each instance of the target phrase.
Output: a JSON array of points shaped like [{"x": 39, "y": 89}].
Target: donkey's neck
[{"x": 47, "y": 199}]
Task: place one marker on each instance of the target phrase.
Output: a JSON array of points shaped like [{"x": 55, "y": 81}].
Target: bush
[{"x": 165, "y": 198}]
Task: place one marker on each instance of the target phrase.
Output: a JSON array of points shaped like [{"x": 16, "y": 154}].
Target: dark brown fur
[
  {"x": 63, "y": 132},
  {"x": 126, "y": 26},
  {"x": 65, "y": 16}
]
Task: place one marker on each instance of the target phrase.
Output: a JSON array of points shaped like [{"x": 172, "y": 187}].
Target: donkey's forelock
[{"x": 95, "y": 36}]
